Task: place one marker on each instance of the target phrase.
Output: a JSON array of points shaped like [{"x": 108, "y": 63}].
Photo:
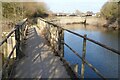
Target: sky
[{"x": 69, "y": 6}]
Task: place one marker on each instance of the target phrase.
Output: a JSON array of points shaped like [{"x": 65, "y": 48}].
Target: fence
[
  {"x": 55, "y": 36},
  {"x": 11, "y": 47}
]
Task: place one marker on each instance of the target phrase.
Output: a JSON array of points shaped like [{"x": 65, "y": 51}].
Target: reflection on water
[{"x": 104, "y": 60}]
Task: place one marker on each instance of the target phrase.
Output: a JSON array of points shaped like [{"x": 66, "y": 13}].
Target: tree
[
  {"x": 23, "y": 9},
  {"x": 110, "y": 11},
  {"x": 119, "y": 13},
  {"x": 13, "y": 12},
  {"x": 34, "y": 9}
]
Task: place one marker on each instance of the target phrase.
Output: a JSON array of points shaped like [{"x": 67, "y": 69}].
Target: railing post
[
  {"x": 83, "y": 57},
  {"x": 17, "y": 38},
  {"x": 5, "y": 52},
  {"x": 22, "y": 33},
  {"x": 62, "y": 45},
  {"x": 76, "y": 68},
  {"x": 25, "y": 32},
  {"x": 60, "y": 39}
]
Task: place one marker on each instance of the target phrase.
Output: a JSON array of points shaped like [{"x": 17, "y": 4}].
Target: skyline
[{"x": 70, "y": 6}]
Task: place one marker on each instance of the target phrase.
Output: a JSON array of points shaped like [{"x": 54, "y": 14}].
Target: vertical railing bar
[
  {"x": 17, "y": 38},
  {"x": 6, "y": 48},
  {"x": 62, "y": 39},
  {"x": 76, "y": 68},
  {"x": 83, "y": 57},
  {"x": 12, "y": 47}
]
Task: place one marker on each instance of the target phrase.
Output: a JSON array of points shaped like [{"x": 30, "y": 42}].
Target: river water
[{"x": 104, "y": 60}]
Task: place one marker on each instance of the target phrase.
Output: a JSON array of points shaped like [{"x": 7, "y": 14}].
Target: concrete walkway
[{"x": 39, "y": 60}]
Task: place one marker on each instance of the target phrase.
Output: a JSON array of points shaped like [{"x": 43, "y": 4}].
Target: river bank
[
  {"x": 77, "y": 20},
  {"x": 113, "y": 25},
  {"x": 90, "y": 20}
]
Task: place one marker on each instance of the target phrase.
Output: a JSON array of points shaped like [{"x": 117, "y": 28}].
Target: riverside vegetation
[
  {"x": 13, "y": 12},
  {"x": 110, "y": 11}
]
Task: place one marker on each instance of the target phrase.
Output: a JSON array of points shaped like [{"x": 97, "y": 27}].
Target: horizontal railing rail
[
  {"x": 9, "y": 34},
  {"x": 85, "y": 38},
  {"x": 96, "y": 42}
]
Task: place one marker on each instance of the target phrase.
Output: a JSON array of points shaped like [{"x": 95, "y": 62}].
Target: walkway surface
[{"x": 39, "y": 60}]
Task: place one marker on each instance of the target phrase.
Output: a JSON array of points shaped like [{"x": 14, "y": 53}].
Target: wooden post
[
  {"x": 19, "y": 53},
  {"x": 3, "y": 50},
  {"x": 2, "y": 58},
  {"x": 5, "y": 46},
  {"x": 62, "y": 45},
  {"x": 22, "y": 33},
  {"x": 12, "y": 44},
  {"x": 13, "y": 40},
  {"x": 76, "y": 68},
  {"x": 83, "y": 56},
  {"x": 26, "y": 28},
  {"x": 54, "y": 40},
  {"x": 17, "y": 38},
  {"x": 60, "y": 39}
]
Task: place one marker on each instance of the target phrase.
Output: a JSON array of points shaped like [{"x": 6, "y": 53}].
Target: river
[{"x": 104, "y": 60}]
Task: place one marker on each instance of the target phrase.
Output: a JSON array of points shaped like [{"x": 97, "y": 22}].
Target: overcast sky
[{"x": 72, "y": 5}]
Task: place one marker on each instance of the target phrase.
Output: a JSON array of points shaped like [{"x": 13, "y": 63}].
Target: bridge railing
[
  {"x": 11, "y": 47},
  {"x": 56, "y": 39},
  {"x": 54, "y": 35}
]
